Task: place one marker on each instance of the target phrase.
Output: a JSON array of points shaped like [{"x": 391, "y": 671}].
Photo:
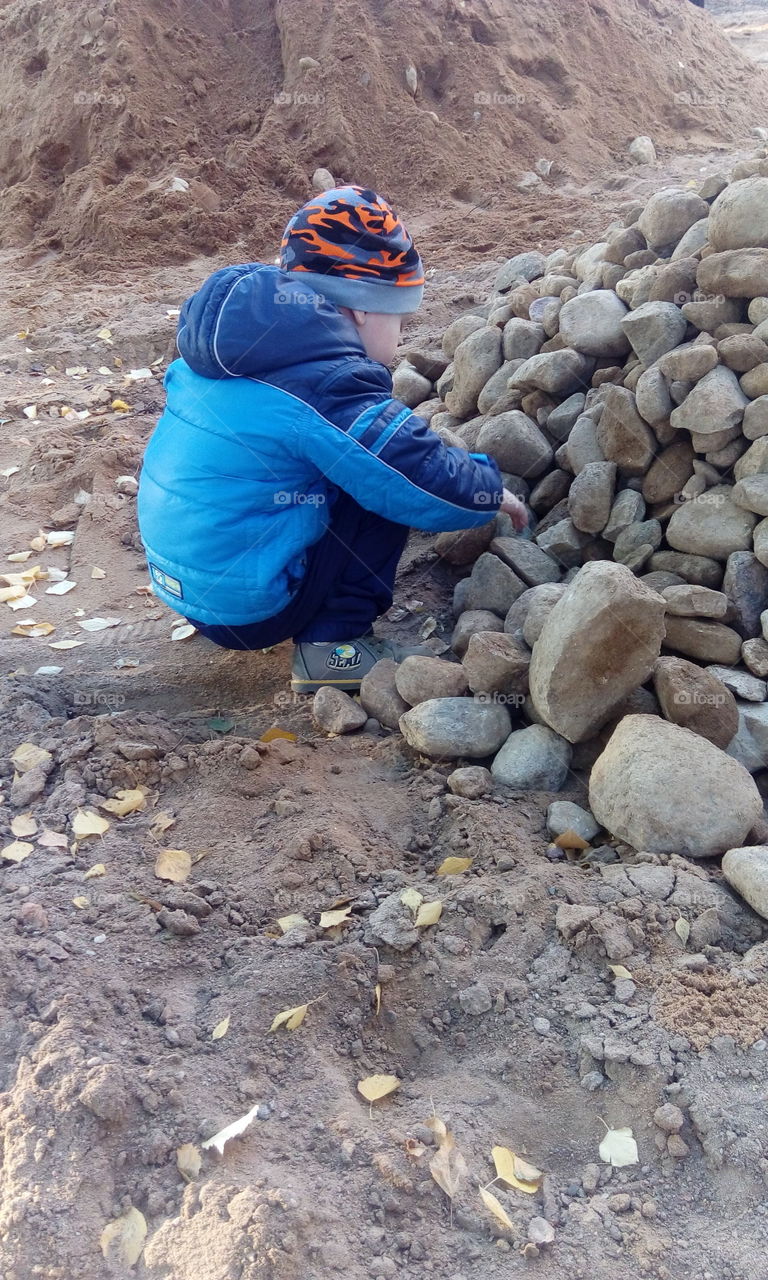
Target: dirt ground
[{"x": 504, "y": 1019}]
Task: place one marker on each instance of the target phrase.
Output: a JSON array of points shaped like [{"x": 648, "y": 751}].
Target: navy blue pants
[{"x": 349, "y": 581}]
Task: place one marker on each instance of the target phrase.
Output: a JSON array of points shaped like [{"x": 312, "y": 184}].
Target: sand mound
[{"x": 158, "y": 130}]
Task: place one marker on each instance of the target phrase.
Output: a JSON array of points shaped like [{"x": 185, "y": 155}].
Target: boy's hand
[{"x": 516, "y": 509}]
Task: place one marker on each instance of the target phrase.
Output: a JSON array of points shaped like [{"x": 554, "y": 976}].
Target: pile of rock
[{"x": 623, "y": 390}]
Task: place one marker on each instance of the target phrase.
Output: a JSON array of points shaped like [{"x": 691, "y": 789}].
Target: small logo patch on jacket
[
  {"x": 169, "y": 584},
  {"x": 344, "y": 657}
]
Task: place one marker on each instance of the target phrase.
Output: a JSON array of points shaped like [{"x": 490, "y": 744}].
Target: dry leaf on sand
[
  {"x": 122, "y": 1240},
  {"x": 173, "y": 864},
  {"x": 374, "y": 1087},
  {"x": 232, "y": 1130}
]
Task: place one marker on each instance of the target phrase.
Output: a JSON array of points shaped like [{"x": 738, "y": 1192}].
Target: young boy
[{"x": 280, "y": 483}]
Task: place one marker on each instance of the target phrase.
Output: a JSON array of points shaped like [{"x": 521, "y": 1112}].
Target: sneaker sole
[{"x": 312, "y": 686}]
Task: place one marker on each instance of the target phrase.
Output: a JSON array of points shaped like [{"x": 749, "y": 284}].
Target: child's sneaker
[{"x": 344, "y": 665}]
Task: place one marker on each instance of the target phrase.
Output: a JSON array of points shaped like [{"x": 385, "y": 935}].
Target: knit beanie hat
[{"x": 351, "y": 247}]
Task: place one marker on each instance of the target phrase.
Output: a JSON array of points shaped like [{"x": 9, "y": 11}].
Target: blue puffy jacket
[{"x": 273, "y": 408}]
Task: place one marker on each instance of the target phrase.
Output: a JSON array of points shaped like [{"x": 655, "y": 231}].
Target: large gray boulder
[
  {"x": 668, "y": 215},
  {"x": 653, "y": 329},
  {"x": 452, "y": 727},
  {"x": 475, "y": 360},
  {"x": 738, "y": 218},
  {"x": 711, "y": 525},
  {"x": 622, "y": 434},
  {"x": 598, "y": 644},
  {"x": 716, "y": 403},
  {"x": 664, "y": 789},
  {"x": 557, "y": 373},
  {"x": 592, "y": 323},
  {"x": 516, "y": 443},
  {"x": 533, "y": 759},
  {"x": 736, "y": 273}
]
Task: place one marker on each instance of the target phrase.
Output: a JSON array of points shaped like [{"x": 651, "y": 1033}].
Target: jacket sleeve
[{"x": 388, "y": 459}]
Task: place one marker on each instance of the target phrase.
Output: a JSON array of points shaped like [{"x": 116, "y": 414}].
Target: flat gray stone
[
  {"x": 592, "y": 323},
  {"x": 493, "y": 585},
  {"x": 740, "y": 683},
  {"x": 711, "y": 525},
  {"x": 692, "y": 601},
  {"x": 527, "y": 560},
  {"x": 564, "y": 815},
  {"x": 590, "y": 497},
  {"x": 653, "y": 329},
  {"x": 715, "y": 404},
  {"x": 746, "y": 870}
]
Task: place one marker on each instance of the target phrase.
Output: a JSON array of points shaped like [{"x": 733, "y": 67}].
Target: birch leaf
[
  {"x": 496, "y": 1207},
  {"x": 98, "y": 869},
  {"x": 454, "y": 866},
  {"x": 516, "y": 1172},
  {"x": 619, "y": 971},
  {"x": 329, "y": 919},
  {"x": 161, "y": 822},
  {"x": 33, "y": 630},
  {"x": 24, "y": 825},
  {"x": 428, "y": 913},
  {"x": 52, "y": 839},
  {"x": 183, "y": 632},
  {"x": 438, "y": 1128},
  {"x": 232, "y": 1130},
  {"x": 87, "y": 822},
  {"x": 619, "y": 1148},
  {"x": 571, "y": 840},
  {"x": 122, "y": 1240},
  {"x": 448, "y": 1168},
  {"x": 374, "y": 1087},
  {"x": 66, "y": 644},
  {"x": 188, "y": 1161},
  {"x": 17, "y": 851},
  {"x": 126, "y": 802},
  {"x": 173, "y": 864},
  {"x": 683, "y": 930},
  {"x": 411, "y": 898},
  {"x": 290, "y": 922},
  {"x": 290, "y": 1018},
  {"x": 220, "y": 1029},
  {"x": 377, "y": 993},
  {"x": 81, "y": 903}
]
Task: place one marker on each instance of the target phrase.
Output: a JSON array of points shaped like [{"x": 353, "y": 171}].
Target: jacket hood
[{"x": 250, "y": 319}]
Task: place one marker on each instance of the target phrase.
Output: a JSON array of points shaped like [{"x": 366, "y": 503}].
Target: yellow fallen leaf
[
  {"x": 290, "y": 922},
  {"x": 516, "y": 1172},
  {"x": 428, "y": 913},
  {"x": 24, "y": 825},
  {"x": 99, "y": 573},
  {"x": 120, "y": 406},
  {"x": 412, "y": 898},
  {"x": 104, "y": 334},
  {"x": 496, "y": 1207},
  {"x": 290, "y": 1018},
  {"x": 232, "y": 1130},
  {"x": 87, "y": 822},
  {"x": 122, "y": 1240},
  {"x": 220, "y": 1029},
  {"x": 12, "y": 593},
  {"x": 438, "y": 1127},
  {"x": 330, "y": 919},
  {"x": 66, "y": 644},
  {"x": 173, "y": 864},
  {"x": 619, "y": 971},
  {"x": 27, "y": 756},
  {"x": 188, "y": 1161},
  {"x": 571, "y": 839},
  {"x": 98, "y": 869},
  {"x": 161, "y": 822},
  {"x": 374, "y": 1087},
  {"x": 52, "y": 839},
  {"x": 682, "y": 929},
  {"x": 271, "y": 734},
  {"x": 38, "y": 543},
  {"x": 377, "y": 993},
  {"x": 18, "y": 557},
  {"x": 17, "y": 851},
  {"x": 81, "y": 902},
  {"x": 454, "y": 866},
  {"x": 33, "y": 630},
  {"x": 125, "y": 803},
  {"x": 448, "y": 1167}
]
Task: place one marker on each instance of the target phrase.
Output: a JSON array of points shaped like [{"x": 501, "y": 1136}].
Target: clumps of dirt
[
  {"x": 155, "y": 132},
  {"x": 703, "y": 1006}
]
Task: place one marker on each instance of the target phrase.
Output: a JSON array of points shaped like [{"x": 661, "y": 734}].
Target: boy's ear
[{"x": 360, "y": 317}]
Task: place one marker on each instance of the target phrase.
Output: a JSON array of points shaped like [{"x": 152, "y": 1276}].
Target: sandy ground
[{"x": 505, "y": 1019}]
